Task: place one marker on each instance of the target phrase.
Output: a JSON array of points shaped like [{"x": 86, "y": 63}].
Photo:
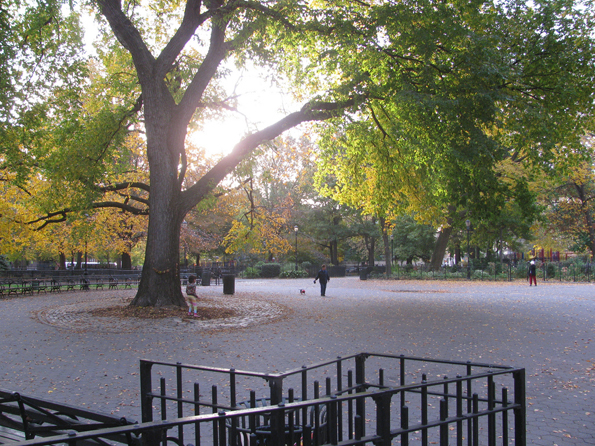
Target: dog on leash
[{"x": 302, "y": 291}]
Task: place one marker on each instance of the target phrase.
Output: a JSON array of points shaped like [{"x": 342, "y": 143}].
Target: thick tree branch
[
  {"x": 206, "y": 71},
  {"x": 49, "y": 218},
  {"x": 125, "y": 185},
  {"x": 125, "y": 207},
  {"x": 191, "y": 21},
  {"x": 129, "y": 37},
  {"x": 313, "y": 111}
]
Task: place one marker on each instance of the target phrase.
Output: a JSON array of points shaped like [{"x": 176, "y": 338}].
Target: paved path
[{"x": 52, "y": 348}]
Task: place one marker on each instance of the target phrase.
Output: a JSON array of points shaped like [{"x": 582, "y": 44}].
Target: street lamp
[
  {"x": 295, "y": 228},
  {"x": 392, "y": 255},
  {"x": 468, "y": 224}
]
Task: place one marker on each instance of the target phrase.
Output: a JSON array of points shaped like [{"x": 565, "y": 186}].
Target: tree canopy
[
  {"x": 463, "y": 93},
  {"x": 423, "y": 99}
]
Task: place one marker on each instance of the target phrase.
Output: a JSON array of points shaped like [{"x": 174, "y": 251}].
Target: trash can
[
  {"x": 206, "y": 278},
  {"x": 229, "y": 283},
  {"x": 363, "y": 273}
]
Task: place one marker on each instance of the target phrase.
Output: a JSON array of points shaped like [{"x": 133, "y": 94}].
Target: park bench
[
  {"x": 98, "y": 283},
  {"x": 26, "y": 287},
  {"x": 113, "y": 283},
  {"x": 24, "y": 418},
  {"x": 38, "y": 285},
  {"x": 70, "y": 284},
  {"x": 17, "y": 287},
  {"x": 55, "y": 285}
]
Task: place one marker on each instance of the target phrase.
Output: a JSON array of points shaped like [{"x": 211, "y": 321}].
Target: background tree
[
  {"x": 412, "y": 240},
  {"x": 570, "y": 207},
  {"x": 456, "y": 95}
]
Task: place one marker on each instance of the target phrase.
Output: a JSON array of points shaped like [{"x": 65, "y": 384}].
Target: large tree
[
  {"x": 160, "y": 83},
  {"x": 474, "y": 87}
]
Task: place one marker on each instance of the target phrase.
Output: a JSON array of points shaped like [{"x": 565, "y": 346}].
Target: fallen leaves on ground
[{"x": 204, "y": 313}]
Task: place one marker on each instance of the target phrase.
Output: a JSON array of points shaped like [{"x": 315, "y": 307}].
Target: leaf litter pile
[{"x": 123, "y": 312}]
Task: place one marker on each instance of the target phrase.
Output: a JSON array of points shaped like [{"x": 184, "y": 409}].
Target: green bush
[
  {"x": 521, "y": 270},
  {"x": 252, "y": 273},
  {"x": 269, "y": 270},
  {"x": 306, "y": 265},
  {"x": 299, "y": 274},
  {"x": 550, "y": 270}
]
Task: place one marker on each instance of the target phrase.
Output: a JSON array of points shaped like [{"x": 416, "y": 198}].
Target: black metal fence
[{"x": 410, "y": 400}]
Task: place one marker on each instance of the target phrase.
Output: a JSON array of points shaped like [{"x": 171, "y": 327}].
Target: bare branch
[
  {"x": 125, "y": 207},
  {"x": 125, "y": 185}
]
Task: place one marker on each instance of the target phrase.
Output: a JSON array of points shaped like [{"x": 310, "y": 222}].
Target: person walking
[
  {"x": 324, "y": 279},
  {"x": 532, "y": 273}
]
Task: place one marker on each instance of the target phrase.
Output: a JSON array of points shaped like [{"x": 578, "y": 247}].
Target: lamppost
[
  {"x": 86, "y": 237},
  {"x": 468, "y": 224},
  {"x": 392, "y": 255},
  {"x": 295, "y": 228}
]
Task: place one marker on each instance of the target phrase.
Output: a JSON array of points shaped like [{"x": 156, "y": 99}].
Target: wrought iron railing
[{"x": 408, "y": 400}]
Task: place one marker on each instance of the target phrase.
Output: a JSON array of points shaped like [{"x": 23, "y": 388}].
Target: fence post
[
  {"x": 520, "y": 413},
  {"x": 145, "y": 391},
  {"x": 276, "y": 386},
  {"x": 154, "y": 436},
  {"x": 360, "y": 380},
  {"x": 383, "y": 417}
]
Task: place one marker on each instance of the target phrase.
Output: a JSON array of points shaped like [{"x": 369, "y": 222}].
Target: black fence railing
[
  {"x": 334, "y": 402},
  {"x": 26, "y": 417},
  {"x": 408, "y": 400}
]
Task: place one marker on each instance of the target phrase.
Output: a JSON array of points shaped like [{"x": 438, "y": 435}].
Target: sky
[{"x": 260, "y": 104}]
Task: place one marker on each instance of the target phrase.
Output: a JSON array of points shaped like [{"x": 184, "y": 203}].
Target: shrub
[
  {"x": 299, "y": 274},
  {"x": 269, "y": 270},
  {"x": 252, "y": 273},
  {"x": 521, "y": 270}
]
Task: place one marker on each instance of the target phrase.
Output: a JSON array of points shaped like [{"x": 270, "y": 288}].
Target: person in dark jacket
[
  {"x": 532, "y": 273},
  {"x": 324, "y": 279}
]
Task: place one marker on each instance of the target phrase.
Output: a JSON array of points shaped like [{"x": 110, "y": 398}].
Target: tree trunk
[
  {"x": 160, "y": 280},
  {"x": 371, "y": 249},
  {"x": 126, "y": 261},
  {"x": 334, "y": 252},
  {"x": 62, "y": 261},
  {"x": 440, "y": 248}
]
